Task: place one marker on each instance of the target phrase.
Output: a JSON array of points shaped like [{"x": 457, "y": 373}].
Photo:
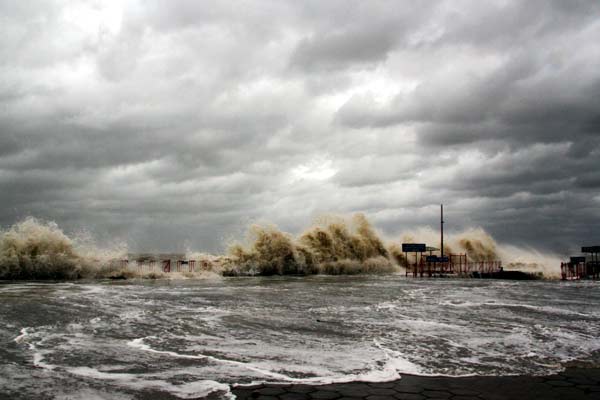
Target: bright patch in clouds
[
  {"x": 102, "y": 17},
  {"x": 378, "y": 85},
  {"x": 316, "y": 170}
]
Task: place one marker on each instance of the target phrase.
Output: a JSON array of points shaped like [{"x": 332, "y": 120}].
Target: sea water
[{"x": 196, "y": 338}]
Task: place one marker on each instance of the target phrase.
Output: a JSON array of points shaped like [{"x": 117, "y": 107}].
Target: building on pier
[
  {"x": 582, "y": 267},
  {"x": 450, "y": 265},
  {"x": 445, "y": 264},
  {"x": 166, "y": 262}
]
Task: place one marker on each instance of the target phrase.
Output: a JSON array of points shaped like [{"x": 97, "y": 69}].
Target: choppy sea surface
[{"x": 195, "y": 338}]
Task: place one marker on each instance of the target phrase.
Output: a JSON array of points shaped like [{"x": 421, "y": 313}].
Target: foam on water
[
  {"x": 90, "y": 394},
  {"x": 38, "y": 360},
  {"x": 23, "y": 334},
  {"x": 196, "y": 338},
  {"x": 385, "y": 373},
  {"x": 190, "y": 390},
  {"x": 542, "y": 309}
]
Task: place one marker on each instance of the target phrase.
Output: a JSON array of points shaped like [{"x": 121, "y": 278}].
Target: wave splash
[
  {"x": 339, "y": 245},
  {"x": 333, "y": 245},
  {"x": 481, "y": 246},
  {"x": 35, "y": 249}
]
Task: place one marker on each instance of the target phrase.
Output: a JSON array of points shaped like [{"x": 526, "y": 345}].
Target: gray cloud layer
[{"x": 175, "y": 123}]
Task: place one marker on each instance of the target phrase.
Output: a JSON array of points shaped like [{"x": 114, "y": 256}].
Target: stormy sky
[{"x": 174, "y": 124}]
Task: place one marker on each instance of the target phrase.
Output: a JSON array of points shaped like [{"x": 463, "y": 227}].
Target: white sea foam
[
  {"x": 91, "y": 394},
  {"x": 190, "y": 390},
  {"x": 140, "y": 345},
  {"x": 545, "y": 309},
  {"x": 376, "y": 330},
  {"x": 94, "y": 290},
  {"x": 397, "y": 362},
  {"x": 387, "y": 371},
  {"x": 38, "y": 360},
  {"x": 23, "y": 335},
  {"x": 38, "y": 356}
]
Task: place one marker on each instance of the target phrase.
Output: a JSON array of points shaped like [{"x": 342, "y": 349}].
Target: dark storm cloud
[
  {"x": 355, "y": 35},
  {"x": 343, "y": 48},
  {"x": 175, "y": 123}
]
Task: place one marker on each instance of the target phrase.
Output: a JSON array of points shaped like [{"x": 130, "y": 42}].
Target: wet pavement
[{"x": 573, "y": 383}]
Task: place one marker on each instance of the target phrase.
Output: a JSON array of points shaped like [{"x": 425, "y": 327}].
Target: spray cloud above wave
[
  {"x": 34, "y": 249},
  {"x": 332, "y": 245}
]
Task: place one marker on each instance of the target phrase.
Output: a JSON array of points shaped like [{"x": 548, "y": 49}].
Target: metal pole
[{"x": 442, "y": 228}]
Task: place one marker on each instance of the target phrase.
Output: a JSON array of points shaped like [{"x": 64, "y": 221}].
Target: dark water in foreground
[{"x": 188, "y": 339}]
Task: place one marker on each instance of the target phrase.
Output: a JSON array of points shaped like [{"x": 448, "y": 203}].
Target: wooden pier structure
[
  {"x": 582, "y": 267},
  {"x": 445, "y": 265},
  {"x": 452, "y": 265},
  {"x": 165, "y": 264}
]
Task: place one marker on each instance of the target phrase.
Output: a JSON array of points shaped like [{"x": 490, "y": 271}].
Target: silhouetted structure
[
  {"x": 452, "y": 264},
  {"x": 168, "y": 262},
  {"x": 582, "y": 267}
]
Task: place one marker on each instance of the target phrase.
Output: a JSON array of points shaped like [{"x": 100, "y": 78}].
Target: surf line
[
  {"x": 139, "y": 344},
  {"x": 392, "y": 372}
]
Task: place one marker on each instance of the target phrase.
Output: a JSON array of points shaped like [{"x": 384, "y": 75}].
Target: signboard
[
  {"x": 577, "y": 260},
  {"x": 590, "y": 249},
  {"x": 413, "y": 247}
]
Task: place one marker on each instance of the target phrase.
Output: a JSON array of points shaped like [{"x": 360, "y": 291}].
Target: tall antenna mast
[{"x": 442, "y": 228}]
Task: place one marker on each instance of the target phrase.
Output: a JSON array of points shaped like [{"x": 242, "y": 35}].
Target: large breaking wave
[{"x": 35, "y": 249}]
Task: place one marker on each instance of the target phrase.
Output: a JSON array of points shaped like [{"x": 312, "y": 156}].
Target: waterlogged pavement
[{"x": 572, "y": 384}]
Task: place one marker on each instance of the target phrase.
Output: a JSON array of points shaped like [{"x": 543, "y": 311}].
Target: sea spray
[
  {"x": 479, "y": 245},
  {"x": 32, "y": 249},
  {"x": 530, "y": 260},
  {"x": 476, "y": 243},
  {"x": 333, "y": 245},
  {"x": 338, "y": 245},
  {"x": 396, "y": 254},
  {"x": 270, "y": 252},
  {"x": 35, "y": 249},
  {"x": 210, "y": 265},
  {"x": 335, "y": 238}
]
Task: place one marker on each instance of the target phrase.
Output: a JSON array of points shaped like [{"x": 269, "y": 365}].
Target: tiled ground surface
[{"x": 577, "y": 383}]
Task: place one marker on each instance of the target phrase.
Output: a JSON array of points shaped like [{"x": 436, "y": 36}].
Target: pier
[
  {"x": 452, "y": 265},
  {"x": 164, "y": 263},
  {"x": 582, "y": 267}
]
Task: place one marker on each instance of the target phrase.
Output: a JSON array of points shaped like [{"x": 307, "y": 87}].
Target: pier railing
[
  {"x": 571, "y": 271},
  {"x": 457, "y": 265},
  {"x": 148, "y": 266}
]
